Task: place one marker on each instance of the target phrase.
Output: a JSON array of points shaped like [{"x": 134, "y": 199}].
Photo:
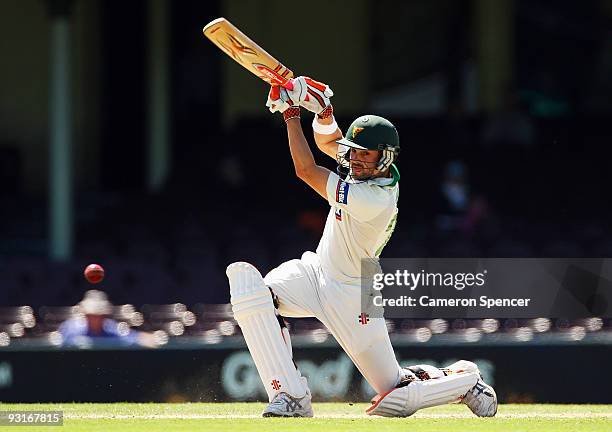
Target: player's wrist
[
  {"x": 326, "y": 113},
  {"x": 326, "y": 126},
  {"x": 291, "y": 113}
]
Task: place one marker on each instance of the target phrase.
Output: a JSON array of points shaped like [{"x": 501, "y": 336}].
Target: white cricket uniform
[{"x": 326, "y": 284}]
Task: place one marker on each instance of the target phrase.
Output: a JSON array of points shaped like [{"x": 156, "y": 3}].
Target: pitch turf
[{"x": 331, "y": 417}]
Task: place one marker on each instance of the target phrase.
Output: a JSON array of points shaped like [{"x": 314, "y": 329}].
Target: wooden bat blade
[{"x": 247, "y": 53}]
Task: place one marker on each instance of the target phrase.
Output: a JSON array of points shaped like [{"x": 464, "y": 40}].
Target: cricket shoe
[
  {"x": 481, "y": 399},
  {"x": 285, "y": 405}
]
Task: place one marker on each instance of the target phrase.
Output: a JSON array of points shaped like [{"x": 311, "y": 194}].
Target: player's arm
[
  {"x": 306, "y": 168},
  {"x": 315, "y": 97},
  {"x": 324, "y": 137}
]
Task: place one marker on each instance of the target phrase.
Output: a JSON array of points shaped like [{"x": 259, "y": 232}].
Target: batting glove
[
  {"x": 310, "y": 94},
  {"x": 278, "y": 100}
]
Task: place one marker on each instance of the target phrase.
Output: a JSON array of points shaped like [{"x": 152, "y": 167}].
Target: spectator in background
[
  {"x": 510, "y": 126},
  {"x": 459, "y": 212},
  {"x": 97, "y": 327},
  {"x": 455, "y": 197}
]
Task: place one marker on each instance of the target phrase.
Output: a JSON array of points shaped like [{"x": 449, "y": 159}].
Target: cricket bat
[{"x": 247, "y": 53}]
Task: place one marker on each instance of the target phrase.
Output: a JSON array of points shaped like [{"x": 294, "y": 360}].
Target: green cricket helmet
[{"x": 371, "y": 132}]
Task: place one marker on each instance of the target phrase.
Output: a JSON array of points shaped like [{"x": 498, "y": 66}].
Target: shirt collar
[{"x": 388, "y": 181}]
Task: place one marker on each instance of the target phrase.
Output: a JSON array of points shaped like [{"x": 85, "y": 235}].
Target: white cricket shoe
[
  {"x": 285, "y": 405},
  {"x": 481, "y": 399}
]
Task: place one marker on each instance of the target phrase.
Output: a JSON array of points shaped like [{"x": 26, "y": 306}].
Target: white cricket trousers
[{"x": 303, "y": 290}]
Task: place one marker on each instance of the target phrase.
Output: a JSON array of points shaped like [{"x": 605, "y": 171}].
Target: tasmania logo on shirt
[
  {"x": 342, "y": 191},
  {"x": 338, "y": 213}
]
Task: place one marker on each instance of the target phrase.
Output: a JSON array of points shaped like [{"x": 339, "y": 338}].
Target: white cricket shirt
[{"x": 360, "y": 222}]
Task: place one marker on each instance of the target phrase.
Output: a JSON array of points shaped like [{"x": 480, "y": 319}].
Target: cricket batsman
[{"x": 326, "y": 284}]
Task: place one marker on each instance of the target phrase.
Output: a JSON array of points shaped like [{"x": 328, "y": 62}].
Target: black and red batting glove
[{"x": 291, "y": 113}]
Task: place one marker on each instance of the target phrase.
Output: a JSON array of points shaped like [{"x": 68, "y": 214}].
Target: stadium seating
[{"x": 214, "y": 323}]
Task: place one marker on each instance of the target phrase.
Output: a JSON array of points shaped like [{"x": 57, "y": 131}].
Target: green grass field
[{"x": 330, "y": 417}]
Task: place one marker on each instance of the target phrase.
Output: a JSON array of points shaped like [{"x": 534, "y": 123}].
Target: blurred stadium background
[{"x": 128, "y": 139}]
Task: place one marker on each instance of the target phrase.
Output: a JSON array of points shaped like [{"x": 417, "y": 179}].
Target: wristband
[
  {"x": 291, "y": 113},
  {"x": 326, "y": 113},
  {"x": 324, "y": 129}
]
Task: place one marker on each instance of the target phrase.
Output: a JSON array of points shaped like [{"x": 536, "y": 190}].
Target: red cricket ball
[{"x": 94, "y": 273}]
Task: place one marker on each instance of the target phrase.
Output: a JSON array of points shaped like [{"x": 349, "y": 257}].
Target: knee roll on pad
[
  {"x": 464, "y": 365},
  {"x": 248, "y": 292}
]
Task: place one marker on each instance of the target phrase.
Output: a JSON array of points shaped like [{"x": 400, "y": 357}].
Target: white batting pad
[
  {"x": 463, "y": 366},
  {"x": 254, "y": 311},
  {"x": 405, "y": 401}
]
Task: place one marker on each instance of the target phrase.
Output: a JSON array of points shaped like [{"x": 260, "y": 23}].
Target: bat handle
[{"x": 288, "y": 84}]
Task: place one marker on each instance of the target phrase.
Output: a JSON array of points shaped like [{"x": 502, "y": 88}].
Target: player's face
[{"x": 363, "y": 163}]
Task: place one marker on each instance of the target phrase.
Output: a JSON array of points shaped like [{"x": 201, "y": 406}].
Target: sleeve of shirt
[
  {"x": 68, "y": 331},
  {"x": 65, "y": 328},
  {"x": 361, "y": 200},
  {"x": 74, "y": 332}
]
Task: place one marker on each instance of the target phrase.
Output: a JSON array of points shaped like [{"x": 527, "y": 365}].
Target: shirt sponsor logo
[
  {"x": 338, "y": 214},
  {"x": 342, "y": 191}
]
